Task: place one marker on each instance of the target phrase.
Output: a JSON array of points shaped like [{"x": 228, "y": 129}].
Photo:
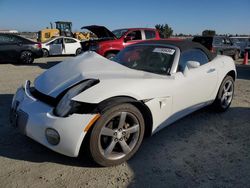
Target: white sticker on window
[{"x": 164, "y": 50}]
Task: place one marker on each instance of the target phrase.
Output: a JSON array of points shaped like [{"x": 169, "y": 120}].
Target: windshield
[
  {"x": 149, "y": 58},
  {"x": 119, "y": 32}
]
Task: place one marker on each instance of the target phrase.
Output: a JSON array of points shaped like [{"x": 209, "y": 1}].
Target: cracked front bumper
[{"x": 32, "y": 117}]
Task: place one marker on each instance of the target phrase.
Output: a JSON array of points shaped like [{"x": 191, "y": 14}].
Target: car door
[
  {"x": 195, "y": 86},
  {"x": 10, "y": 47},
  {"x": 71, "y": 45},
  {"x": 132, "y": 37},
  {"x": 56, "y": 47}
]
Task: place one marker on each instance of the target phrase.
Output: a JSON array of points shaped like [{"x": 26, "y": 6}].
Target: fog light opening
[{"x": 52, "y": 136}]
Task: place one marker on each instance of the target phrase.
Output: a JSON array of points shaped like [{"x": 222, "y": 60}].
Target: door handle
[{"x": 211, "y": 70}]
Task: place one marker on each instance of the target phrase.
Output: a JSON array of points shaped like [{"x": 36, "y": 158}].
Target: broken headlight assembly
[{"x": 67, "y": 106}]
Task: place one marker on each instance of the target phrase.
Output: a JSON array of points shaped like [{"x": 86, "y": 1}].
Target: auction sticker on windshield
[{"x": 164, "y": 50}]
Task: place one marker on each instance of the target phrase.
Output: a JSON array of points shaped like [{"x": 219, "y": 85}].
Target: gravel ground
[{"x": 204, "y": 149}]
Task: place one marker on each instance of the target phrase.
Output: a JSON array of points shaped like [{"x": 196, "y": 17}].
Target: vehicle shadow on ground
[
  {"x": 46, "y": 65},
  {"x": 17, "y": 146},
  {"x": 194, "y": 150},
  {"x": 204, "y": 149},
  {"x": 243, "y": 72}
]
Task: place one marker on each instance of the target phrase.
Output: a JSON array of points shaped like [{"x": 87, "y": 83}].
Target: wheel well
[
  {"x": 232, "y": 74},
  {"x": 147, "y": 116},
  {"x": 111, "y": 51},
  {"x": 27, "y": 51},
  {"x": 111, "y": 102},
  {"x": 44, "y": 49},
  {"x": 145, "y": 111}
]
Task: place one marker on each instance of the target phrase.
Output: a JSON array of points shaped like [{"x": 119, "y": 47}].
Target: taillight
[
  {"x": 212, "y": 49},
  {"x": 39, "y": 45}
]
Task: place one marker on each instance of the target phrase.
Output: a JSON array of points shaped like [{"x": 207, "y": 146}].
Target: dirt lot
[{"x": 204, "y": 149}]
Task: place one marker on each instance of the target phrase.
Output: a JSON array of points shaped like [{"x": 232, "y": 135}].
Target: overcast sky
[{"x": 184, "y": 16}]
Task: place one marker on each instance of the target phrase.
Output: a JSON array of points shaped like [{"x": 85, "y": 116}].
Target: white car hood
[{"x": 86, "y": 66}]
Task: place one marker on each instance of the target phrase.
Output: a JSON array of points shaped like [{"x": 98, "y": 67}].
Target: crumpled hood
[{"x": 86, "y": 66}]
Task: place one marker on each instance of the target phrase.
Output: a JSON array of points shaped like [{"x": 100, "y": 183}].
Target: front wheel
[
  {"x": 45, "y": 52},
  {"x": 225, "y": 95},
  {"x": 26, "y": 57},
  {"x": 117, "y": 135},
  {"x": 110, "y": 55}
]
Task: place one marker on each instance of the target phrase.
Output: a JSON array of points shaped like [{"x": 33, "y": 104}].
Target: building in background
[{"x": 8, "y": 31}]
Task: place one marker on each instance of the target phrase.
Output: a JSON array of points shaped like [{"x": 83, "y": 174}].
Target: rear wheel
[
  {"x": 26, "y": 57},
  {"x": 117, "y": 135},
  {"x": 78, "y": 51},
  {"x": 225, "y": 95}
]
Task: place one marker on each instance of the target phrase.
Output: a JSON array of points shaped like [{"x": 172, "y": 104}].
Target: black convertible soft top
[{"x": 183, "y": 45}]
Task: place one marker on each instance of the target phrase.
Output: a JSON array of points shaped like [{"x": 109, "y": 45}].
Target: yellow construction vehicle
[
  {"x": 82, "y": 36},
  {"x": 46, "y": 34},
  {"x": 63, "y": 28}
]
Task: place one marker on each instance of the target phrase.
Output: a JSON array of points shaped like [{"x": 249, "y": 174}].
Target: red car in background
[{"x": 110, "y": 43}]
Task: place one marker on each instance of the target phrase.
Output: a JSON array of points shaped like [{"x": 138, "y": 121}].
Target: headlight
[{"x": 65, "y": 105}]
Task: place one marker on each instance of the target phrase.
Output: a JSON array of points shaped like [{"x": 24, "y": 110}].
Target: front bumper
[{"x": 33, "y": 117}]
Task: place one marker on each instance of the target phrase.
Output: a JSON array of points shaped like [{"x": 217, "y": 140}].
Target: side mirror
[
  {"x": 190, "y": 65},
  {"x": 128, "y": 38},
  {"x": 193, "y": 64}
]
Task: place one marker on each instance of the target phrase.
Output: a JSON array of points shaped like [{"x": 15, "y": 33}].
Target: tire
[
  {"x": 225, "y": 95},
  {"x": 45, "y": 52},
  {"x": 117, "y": 135},
  {"x": 78, "y": 51},
  {"x": 110, "y": 55},
  {"x": 236, "y": 55},
  {"x": 26, "y": 57}
]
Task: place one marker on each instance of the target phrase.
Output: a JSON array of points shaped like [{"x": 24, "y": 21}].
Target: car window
[
  {"x": 149, "y": 34},
  {"x": 57, "y": 41},
  {"x": 9, "y": 39},
  {"x": 68, "y": 40},
  {"x": 135, "y": 35},
  {"x": 192, "y": 55},
  {"x": 218, "y": 41},
  {"x": 154, "y": 59},
  {"x": 119, "y": 32}
]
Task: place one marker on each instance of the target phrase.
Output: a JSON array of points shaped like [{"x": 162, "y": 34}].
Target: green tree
[
  {"x": 164, "y": 30},
  {"x": 208, "y": 32}
]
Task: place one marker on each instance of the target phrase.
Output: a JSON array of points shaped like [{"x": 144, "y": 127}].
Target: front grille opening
[{"x": 51, "y": 101}]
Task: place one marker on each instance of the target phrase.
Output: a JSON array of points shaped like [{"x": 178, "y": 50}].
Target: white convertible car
[
  {"x": 62, "y": 46},
  {"x": 111, "y": 105}
]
